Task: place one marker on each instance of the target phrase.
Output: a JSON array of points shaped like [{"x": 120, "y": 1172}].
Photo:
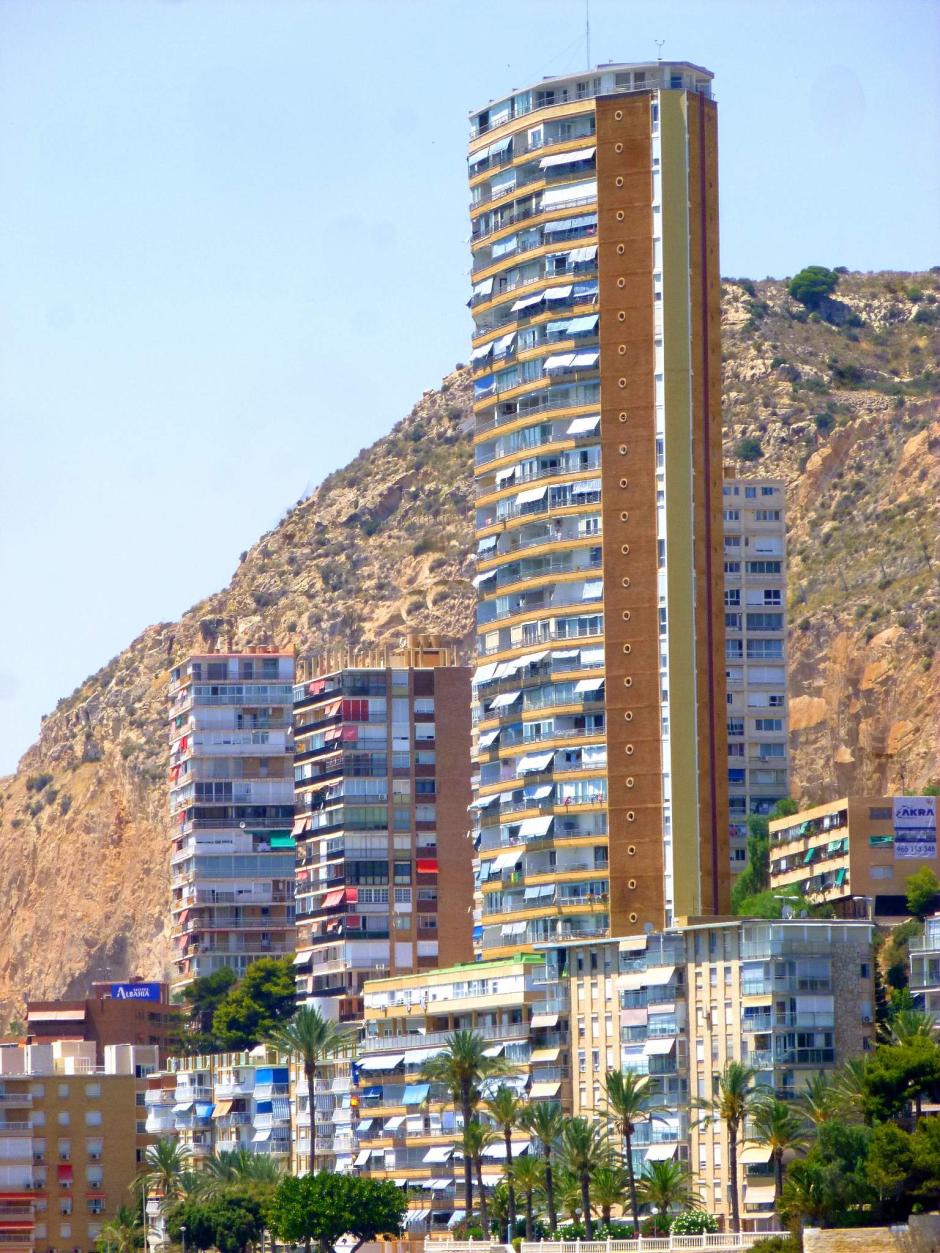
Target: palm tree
[
  {"x": 166, "y": 1167},
  {"x": 849, "y": 1084},
  {"x": 529, "y": 1177},
  {"x": 226, "y": 1167},
  {"x": 462, "y": 1067},
  {"x": 583, "y": 1151},
  {"x": 312, "y": 1039},
  {"x": 778, "y": 1127},
  {"x": 805, "y": 1196},
  {"x": 665, "y": 1185},
  {"x": 505, "y": 1108},
  {"x": 568, "y": 1191},
  {"x": 819, "y": 1101},
  {"x": 545, "y": 1121},
  {"x": 908, "y": 1025},
  {"x": 608, "y": 1185},
  {"x": 731, "y": 1105},
  {"x": 124, "y": 1233},
  {"x": 628, "y": 1100},
  {"x": 477, "y": 1138}
]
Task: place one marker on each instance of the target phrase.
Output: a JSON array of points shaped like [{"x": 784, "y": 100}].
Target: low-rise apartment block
[
  {"x": 408, "y": 1129},
  {"x": 382, "y": 774},
  {"x": 789, "y": 998},
  {"x": 925, "y": 967},
  {"x": 755, "y": 590},
  {"x": 231, "y": 810},
  {"x": 114, "y": 1013},
  {"x": 855, "y": 853},
  {"x": 72, "y": 1134}
]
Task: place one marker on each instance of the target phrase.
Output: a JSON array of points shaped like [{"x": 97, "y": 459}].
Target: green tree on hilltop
[{"x": 813, "y": 285}]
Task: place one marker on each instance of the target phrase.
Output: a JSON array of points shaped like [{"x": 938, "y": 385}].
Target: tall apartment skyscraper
[
  {"x": 384, "y": 883},
  {"x": 231, "y": 810},
  {"x": 600, "y": 686},
  {"x": 755, "y": 537}
]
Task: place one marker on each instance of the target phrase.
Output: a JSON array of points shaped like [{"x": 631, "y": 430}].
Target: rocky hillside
[{"x": 843, "y": 406}]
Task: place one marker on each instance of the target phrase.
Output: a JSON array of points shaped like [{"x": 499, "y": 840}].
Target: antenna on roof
[
  {"x": 659, "y": 44},
  {"x": 587, "y": 31}
]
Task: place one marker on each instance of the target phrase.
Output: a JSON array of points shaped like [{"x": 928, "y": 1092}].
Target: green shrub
[
  {"x": 748, "y": 449},
  {"x": 778, "y": 1244},
  {"x": 813, "y": 285},
  {"x": 36, "y": 782},
  {"x": 693, "y": 1223}
]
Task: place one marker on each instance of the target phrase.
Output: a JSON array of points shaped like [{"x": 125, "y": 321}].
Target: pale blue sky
[{"x": 232, "y": 250}]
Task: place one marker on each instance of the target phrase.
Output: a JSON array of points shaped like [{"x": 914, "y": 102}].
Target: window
[
  {"x": 767, "y": 515},
  {"x": 733, "y": 598},
  {"x": 63, "y": 1117},
  {"x": 94, "y": 1089},
  {"x": 732, "y": 515},
  {"x": 63, "y": 1091},
  {"x": 92, "y": 1117},
  {"x": 65, "y": 1231},
  {"x": 864, "y": 971},
  {"x": 750, "y": 492}
]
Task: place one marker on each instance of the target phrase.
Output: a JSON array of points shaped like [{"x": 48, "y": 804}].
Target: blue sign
[{"x": 135, "y": 991}]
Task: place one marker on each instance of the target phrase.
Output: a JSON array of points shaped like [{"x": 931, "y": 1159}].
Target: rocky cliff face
[{"x": 843, "y": 408}]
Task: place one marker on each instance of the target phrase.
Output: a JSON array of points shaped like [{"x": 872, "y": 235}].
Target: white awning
[
  {"x": 531, "y": 828},
  {"x": 484, "y": 802},
  {"x": 497, "y": 1150},
  {"x": 581, "y": 426},
  {"x": 526, "y": 302},
  {"x": 479, "y": 579},
  {"x": 584, "y": 360},
  {"x": 660, "y": 1046},
  {"x": 566, "y": 158},
  {"x": 439, "y": 1153},
  {"x": 484, "y": 288},
  {"x": 530, "y": 659},
  {"x": 488, "y": 738},
  {"x": 392, "y": 1124},
  {"x": 558, "y": 361},
  {"x": 589, "y": 685},
  {"x": 759, "y": 1194},
  {"x": 586, "y": 321},
  {"x": 437, "y": 1185},
  {"x": 484, "y": 350},
  {"x": 494, "y": 1050},
  {"x": 592, "y": 656},
  {"x": 456, "y": 1217},
  {"x": 301, "y": 958},
  {"x": 364, "y": 1125},
  {"x": 483, "y": 673},
  {"x": 658, "y": 976},
  {"x": 571, "y": 193},
  {"x": 633, "y": 943},
  {"x": 585, "y": 487},
  {"x": 756, "y": 1155},
  {"x": 542, "y": 791},
  {"x": 583, "y": 254},
  {"x": 544, "y": 1090},
  {"x": 506, "y": 860},
  {"x": 507, "y": 473},
  {"x": 544, "y": 1055},
  {"x": 504, "y": 699},
  {"x": 533, "y": 493},
  {"x": 512, "y": 928},
  {"x": 544, "y": 1020},
  {"x": 501, "y": 345},
  {"x": 385, "y": 1061},
  {"x": 661, "y": 1152},
  {"x": 534, "y": 762},
  {"x": 484, "y": 546},
  {"x": 559, "y": 293},
  {"x": 593, "y": 589}
]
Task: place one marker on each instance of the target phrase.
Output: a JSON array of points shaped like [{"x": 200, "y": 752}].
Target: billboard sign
[
  {"x": 915, "y": 827},
  {"x": 135, "y": 991}
]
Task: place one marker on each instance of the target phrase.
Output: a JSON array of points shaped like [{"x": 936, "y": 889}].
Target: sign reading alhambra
[
  {"x": 135, "y": 991},
  {"x": 915, "y": 826}
]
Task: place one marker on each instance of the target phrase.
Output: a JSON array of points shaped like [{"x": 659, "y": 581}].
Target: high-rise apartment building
[
  {"x": 600, "y": 685},
  {"x": 72, "y": 1136},
  {"x": 755, "y": 539},
  {"x": 231, "y": 810},
  {"x": 384, "y": 883}
]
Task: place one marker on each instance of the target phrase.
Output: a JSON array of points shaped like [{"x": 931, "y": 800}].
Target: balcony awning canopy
[
  {"x": 534, "y": 762},
  {"x": 579, "y": 255},
  {"x": 659, "y": 1047},
  {"x": 415, "y": 1093},
  {"x": 392, "y": 1124},
  {"x": 756, "y": 1155},
  {"x": 438, "y": 1153},
  {"x": 385, "y": 1061},
  {"x": 589, "y": 685},
  {"x": 661, "y": 1152},
  {"x": 487, "y": 739},
  {"x": 543, "y": 1090},
  {"x": 559, "y": 293},
  {"x": 544, "y": 1020},
  {"x": 545, "y": 1055},
  {"x": 569, "y": 193},
  {"x": 659, "y": 976},
  {"x": 532, "y": 828},
  {"x": 526, "y": 302},
  {"x": 484, "y": 673},
  {"x": 585, "y": 487},
  {"x": 504, "y": 699},
  {"x": 566, "y": 158},
  {"x": 531, "y": 495},
  {"x": 759, "y": 1194},
  {"x": 505, "y": 861}
]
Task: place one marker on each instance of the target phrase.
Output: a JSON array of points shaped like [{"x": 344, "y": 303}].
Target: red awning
[
  {"x": 427, "y": 865},
  {"x": 301, "y": 825},
  {"x": 332, "y": 709},
  {"x": 332, "y": 899},
  {"x": 184, "y": 744},
  {"x": 316, "y": 687},
  {"x": 351, "y": 895},
  {"x": 350, "y": 734},
  {"x": 64, "y": 1171}
]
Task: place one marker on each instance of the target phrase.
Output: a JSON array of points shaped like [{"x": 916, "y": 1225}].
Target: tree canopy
[
  {"x": 813, "y": 285},
  {"x": 922, "y": 887},
  {"x": 229, "y": 1222},
  {"x": 324, "y": 1207},
  {"x": 250, "y": 1010}
]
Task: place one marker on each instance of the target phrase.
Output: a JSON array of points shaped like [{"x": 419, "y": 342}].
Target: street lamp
[{"x": 183, "y": 1238}]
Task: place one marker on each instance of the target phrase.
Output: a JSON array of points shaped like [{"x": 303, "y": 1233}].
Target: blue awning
[
  {"x": 263, "y": 1107},
  {"x": 477, "y": 932},
  {"x": 203, "y": 1110},
  {"x": 415, "y": 1093},
  {"x": 374, "y": 1091}
]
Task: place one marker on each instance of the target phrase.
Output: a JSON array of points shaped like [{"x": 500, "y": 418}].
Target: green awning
[
  {"x": 282, "y": 840},
  {"x": 880, "y": 841},
  {"x": 808, "y": 856},
  {"x": 840, "y": 877}
]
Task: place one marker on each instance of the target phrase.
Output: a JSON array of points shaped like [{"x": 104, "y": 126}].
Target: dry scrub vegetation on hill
[{"x": 844, "y": 409}]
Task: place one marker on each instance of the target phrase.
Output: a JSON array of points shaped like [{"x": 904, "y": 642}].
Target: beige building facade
[{"x": 856, "y": 853}]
